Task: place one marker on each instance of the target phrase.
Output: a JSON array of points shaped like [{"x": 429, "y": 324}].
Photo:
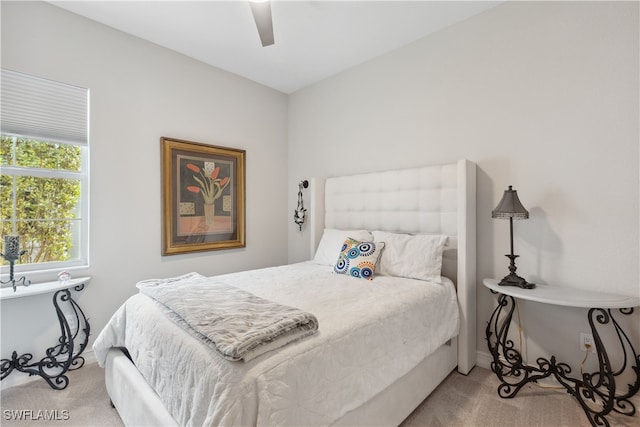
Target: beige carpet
[
  {"x": 460, "y": 401},
  {"x": 85, "y": 399}
]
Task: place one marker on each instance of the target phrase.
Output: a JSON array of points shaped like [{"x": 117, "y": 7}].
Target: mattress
[{"x": 371, "y": 333}]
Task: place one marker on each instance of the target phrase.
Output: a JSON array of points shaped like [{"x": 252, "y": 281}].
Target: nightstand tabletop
[
  {"x": 565, "y": 296},
  {"x": 7, "y": 293}
]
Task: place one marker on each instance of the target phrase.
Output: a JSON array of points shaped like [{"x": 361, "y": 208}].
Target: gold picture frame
[{"x": 203, "y": 197}]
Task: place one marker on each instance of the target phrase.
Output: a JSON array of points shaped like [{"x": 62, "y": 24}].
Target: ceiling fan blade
[{"x": 262, "y": 15}]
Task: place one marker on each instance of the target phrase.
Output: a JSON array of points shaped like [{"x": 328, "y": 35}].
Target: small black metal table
[
  {"x": 597, "y": 392},
  {"x": 64, "y": 356}
]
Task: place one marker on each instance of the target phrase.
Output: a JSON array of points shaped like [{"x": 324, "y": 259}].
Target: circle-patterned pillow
[{"x": 358, "y": 259}]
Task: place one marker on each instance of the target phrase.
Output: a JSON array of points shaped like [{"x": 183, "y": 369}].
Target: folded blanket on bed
[{"x": 237, "y": 324}]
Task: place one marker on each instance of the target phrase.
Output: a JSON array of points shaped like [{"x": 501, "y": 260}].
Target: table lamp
[{"x": 510, "y": 207}]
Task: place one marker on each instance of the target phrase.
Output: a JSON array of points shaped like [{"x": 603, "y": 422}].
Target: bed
[{"x": 380, "y": 348}]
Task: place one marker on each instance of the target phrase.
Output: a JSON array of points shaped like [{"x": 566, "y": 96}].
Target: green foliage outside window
[{"x": 40, "y": 206}]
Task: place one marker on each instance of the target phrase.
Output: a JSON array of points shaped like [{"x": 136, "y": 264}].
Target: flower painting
[
  {"x": 203, "y": 197},
  {"x": 210, "y": 185}
]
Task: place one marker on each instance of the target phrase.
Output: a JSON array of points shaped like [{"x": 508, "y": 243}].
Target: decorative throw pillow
[
  {"x": 414, "y": 256},
  {"x": 358, "y": 259}
]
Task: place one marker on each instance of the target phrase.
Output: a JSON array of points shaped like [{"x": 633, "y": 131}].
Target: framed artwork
[{"x": 203, "y": 192}]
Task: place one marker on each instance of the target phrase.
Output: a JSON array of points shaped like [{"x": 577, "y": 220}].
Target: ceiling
[{"x": 313, "y": 39}]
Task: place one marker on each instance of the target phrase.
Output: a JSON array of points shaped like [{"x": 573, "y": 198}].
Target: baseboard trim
[{"x": 483, "y": 359}]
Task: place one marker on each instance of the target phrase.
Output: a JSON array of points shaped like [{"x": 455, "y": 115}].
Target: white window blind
[
  {"x": 43, "y": 109},
  {"x": 44, "y": 163}
]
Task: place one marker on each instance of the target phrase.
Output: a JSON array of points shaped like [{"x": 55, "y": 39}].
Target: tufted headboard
[{"x": 438, "y": 199}]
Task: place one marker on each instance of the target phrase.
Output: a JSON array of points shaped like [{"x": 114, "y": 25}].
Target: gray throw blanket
[{"x": 237, "y": 324}]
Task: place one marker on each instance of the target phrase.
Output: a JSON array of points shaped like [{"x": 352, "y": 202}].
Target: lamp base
[{"x": 515, "y": 280}]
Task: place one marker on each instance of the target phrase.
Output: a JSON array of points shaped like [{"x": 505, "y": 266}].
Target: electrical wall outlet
[{"x": 586, "y": 342}]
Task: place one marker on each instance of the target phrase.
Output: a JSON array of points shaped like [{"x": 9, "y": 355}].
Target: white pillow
[
  {"x": 331, "y": 243},
  {"x": 413, "y": 256}
]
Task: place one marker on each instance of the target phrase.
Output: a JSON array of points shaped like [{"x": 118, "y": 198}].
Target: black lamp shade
[{"x": 510, "y": 207}]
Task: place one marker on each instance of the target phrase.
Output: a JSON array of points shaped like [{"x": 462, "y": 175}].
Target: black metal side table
[
  {"x": 596, "y": 392},
  {"x": 64, "y": 356}
]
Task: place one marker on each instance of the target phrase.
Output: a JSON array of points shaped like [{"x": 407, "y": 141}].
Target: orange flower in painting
[
  {"x": 215, "y": 172},
  {"x": 208, "y": 182},
  {"x": 193, "y": 167}
]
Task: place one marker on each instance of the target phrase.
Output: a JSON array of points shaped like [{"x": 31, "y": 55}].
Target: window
[{"x": 44, "y": 156}]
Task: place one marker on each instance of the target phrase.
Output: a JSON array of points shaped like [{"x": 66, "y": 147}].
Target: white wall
[
  {"x": 140, "y": 92},
  {"x": 542, "y": 96}
]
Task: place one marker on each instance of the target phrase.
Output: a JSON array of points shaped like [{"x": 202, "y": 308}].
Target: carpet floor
[{"x": 464, "y": 401}]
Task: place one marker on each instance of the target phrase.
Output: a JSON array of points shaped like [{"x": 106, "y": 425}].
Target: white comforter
[{"x": 371, "y": 333}]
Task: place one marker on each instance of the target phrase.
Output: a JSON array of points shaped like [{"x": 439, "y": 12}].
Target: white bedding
[{"x": 371, "y": 333}]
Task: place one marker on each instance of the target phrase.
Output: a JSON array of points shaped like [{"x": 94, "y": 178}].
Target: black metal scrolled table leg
[
  {"x": 622, "y": 403},
  {"x": 68, "y": 338},
  {"x": 62, "y": 357},
  {"x": 599, "y": 388},
  {"x": 593, "y": 389},
  {"x": 507, "y": 361}
]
